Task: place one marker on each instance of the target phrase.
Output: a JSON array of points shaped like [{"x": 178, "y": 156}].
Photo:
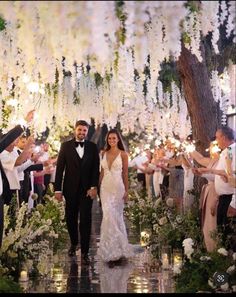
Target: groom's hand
[{"x": 92, "y": 192}]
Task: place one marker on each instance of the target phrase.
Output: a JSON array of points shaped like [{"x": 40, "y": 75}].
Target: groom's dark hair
[{"x": 82, "y": 123}]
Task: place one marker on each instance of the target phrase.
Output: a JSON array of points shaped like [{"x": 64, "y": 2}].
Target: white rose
[
  {"x": 205, "y": 258},
  {"x": 222, "y": 251}
]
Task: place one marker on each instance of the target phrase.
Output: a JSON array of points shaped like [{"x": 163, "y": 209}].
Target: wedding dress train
[{"x": 113, "y": 240}]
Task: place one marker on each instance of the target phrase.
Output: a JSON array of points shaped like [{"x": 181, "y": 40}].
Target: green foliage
[
  {"x": 121, "y": 15},
  {"x": 196, "y": 272},
  {"x": 116, "y": 60},
  {"x": 193, "y": 6},
  {"x": 98, "y": 79},
  {"x": 161, "y": 218},
  {"x": 168, "y": 74},
  {"x": 6, "y": 112},
  {"x": 2, "y": 24},
  {"x": 7, "y": 285},
  {"x": 108, "y": 77},
  {"x": 186, "y": 38}
]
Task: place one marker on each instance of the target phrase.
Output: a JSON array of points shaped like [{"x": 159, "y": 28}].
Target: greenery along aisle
[
  {"x": 160, "y": 219},
  {"x": 31, "y": 237},
  {"x": 164, "y": 226}
]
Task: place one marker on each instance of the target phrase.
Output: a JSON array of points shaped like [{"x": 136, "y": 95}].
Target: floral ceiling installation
[{"x": 77, "y": 59}]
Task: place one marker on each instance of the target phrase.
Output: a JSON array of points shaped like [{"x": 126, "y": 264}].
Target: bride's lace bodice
[{"x": 112, "y": 179}]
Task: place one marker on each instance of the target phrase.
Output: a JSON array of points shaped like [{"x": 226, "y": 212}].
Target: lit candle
[
  {"x": 24, "y": 276},
  {"x": 177, "y": 261}
]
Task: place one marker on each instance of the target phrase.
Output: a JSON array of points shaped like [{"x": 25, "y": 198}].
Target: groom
[{"x": 77, "y": 175}]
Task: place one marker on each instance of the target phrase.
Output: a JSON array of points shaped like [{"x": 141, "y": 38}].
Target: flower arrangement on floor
[
  {"x": 160, "y": 219},
  {"x": 206, "y": 272},
  {"x": 32, "y": 238},
  {"x": 160, "y": 224}
]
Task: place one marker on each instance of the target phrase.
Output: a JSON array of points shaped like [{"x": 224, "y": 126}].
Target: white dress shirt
[
  {"x": 80, "y": 150},
  {"x": 138, "y": 161},
  {"x": 221, "y": 187},
  {"x": 8, "y": 160}
]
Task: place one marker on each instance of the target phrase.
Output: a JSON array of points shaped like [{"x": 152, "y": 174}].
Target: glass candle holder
[
  {"x": 166, "y": 257},
  {"x": 177, "y": 259}
]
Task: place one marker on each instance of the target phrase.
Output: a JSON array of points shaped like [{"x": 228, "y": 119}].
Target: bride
[{"x": 113, "y": 182}]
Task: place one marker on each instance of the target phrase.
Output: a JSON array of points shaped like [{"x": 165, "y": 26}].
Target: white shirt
[
  {"x": 138, "y": 161},
  {"x": 80, "y": 150},
  {"x": 44, "y": 157},
  {"x": 221, "y": 187},
  {"x": 22, "y": 167},
  {"x": 8, "y": 160}
]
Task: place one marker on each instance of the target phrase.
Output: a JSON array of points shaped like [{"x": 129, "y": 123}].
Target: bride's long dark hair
[{"x": 120, "y": 143}]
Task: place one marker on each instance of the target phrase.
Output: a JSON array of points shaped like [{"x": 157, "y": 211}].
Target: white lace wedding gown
[{"x": 113, "y": 240}]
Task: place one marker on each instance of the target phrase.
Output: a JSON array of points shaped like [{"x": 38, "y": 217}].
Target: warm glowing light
[
  {"x": 33, "y": 87},
  {"x": 12, "y": 102},
  {"x": 25, "y": 78},
  {"x": 137, "y": 150}
]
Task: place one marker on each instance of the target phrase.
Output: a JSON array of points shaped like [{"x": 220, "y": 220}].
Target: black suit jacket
[{"x": 74, "y": 174}]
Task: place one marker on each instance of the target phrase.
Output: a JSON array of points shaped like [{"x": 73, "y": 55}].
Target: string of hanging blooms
[{"x": 87, "y": 59}]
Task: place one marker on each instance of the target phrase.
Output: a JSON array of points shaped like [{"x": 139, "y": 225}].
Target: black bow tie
[{"x": 79, "y": 143}]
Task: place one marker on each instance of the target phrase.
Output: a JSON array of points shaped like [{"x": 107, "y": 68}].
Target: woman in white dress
[{"x": 114, "y": 244}]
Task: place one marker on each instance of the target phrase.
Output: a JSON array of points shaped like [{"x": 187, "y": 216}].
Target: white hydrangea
[{"x": 188, "y": 247}]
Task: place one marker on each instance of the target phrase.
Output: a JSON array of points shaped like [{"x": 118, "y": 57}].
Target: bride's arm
[
  {"x": 125, "y": 174},
  {"x": 101, "y": 177}
]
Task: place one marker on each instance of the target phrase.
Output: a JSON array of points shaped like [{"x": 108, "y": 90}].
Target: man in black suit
[
  {"x": 4, "y": 184},
  {"x": 78, "y": 160}
]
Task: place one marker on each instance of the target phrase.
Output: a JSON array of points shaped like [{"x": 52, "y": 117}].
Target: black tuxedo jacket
[{"x": 74, "y": 174}]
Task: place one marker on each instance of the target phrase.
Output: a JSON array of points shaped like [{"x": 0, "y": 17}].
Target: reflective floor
[{"x": 66, "y": 275}]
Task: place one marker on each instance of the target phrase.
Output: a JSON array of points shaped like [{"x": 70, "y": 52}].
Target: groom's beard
[{"x": 80, "y": 137}]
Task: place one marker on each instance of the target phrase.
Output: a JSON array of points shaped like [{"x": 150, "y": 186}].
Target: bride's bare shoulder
[{"x": 124, "y": 154}]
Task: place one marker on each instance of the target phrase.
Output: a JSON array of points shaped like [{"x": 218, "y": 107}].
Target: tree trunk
[{"x": 203, "y": 110}]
